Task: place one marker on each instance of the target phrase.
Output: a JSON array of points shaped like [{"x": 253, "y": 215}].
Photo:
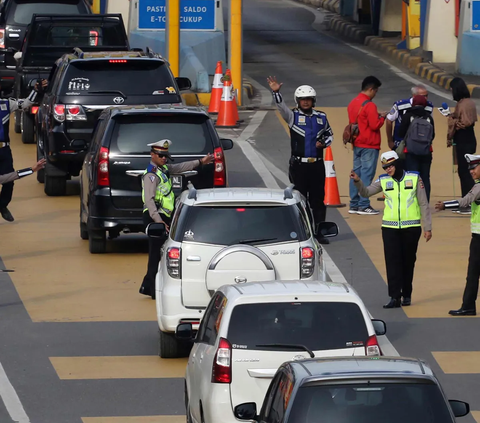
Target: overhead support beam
[
  {"x": 173, "y": 35},
  {"x": 235, "y": 45}
]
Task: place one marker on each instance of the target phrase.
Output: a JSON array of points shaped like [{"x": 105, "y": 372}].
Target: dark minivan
[{"x": 111, "y": 190}]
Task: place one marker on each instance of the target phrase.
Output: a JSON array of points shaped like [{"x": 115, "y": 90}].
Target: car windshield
[
  {"x": 20, "y": 12},
  {"x": 243, "y": 224},
  {"x": 189, "y": 133},
  {"x": 316, "y": 325},
  {"x": 114, "y": 77},
  {"x": 370, "y": 402}
]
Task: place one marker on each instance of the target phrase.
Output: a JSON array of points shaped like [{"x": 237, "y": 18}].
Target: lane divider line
[{"x": 11, "y": 400}]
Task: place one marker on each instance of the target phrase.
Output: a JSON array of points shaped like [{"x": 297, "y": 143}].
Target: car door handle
[
  {"x": 135, "y": 173},
  {"x": 194, "y": 258}
]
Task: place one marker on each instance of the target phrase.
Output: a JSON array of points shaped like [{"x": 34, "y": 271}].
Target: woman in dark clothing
[
  {"x": 415, "y": 162},
  {"x": 461, "y": 132}
]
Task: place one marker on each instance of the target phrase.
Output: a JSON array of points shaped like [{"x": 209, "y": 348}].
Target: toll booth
[{"x": 468, "y": 59}]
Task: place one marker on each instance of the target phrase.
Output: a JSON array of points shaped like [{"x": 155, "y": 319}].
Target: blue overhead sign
[{"x": 194, "y": 14}]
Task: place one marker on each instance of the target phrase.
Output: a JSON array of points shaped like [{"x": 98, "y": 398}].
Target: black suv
[
  {"x": 48, "y": 38},
  {"x": 15, "y": 16},
  {"x": 81, "y": 86},
  {"x": 111, "y": 190}
]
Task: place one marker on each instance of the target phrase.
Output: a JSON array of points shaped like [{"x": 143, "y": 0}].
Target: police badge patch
[
  {"x": 389, "y": 185},
  {"x": 319, "y": 120},
  {"x": 408, "y": 184},
  {"x": 152, "y": 178}
]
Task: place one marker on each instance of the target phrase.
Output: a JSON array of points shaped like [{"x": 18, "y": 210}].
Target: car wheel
[
  {"x": 55, "y": 186},
  {"x": 168, "y": 346},
  {"x": 97, "y": 242},
  {"x": 41, "y": 176},
  {"x": 18, "y": 126},
  {"x": 28, "y": 128},
  {"x": 83, "y": 231}
]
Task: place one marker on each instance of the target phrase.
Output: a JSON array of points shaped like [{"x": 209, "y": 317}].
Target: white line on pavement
[{"x": 11, "y": 399}]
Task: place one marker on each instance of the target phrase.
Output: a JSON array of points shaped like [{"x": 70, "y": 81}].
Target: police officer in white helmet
[{"x": 310, "y": 134}]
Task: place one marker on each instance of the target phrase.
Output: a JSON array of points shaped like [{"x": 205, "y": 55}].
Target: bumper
[
  {"x": 7, "y": 76},
  {"x": 117, "y": 224},
  {"x": 217, "y": 406},
  {"x": 67, "y": 147}
]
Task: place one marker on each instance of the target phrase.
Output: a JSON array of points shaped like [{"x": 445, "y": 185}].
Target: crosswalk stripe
[
  {"x": 133, "y": 419},
  {"x": 124, "y": 367},
  {"x": 459, "y": 362}
]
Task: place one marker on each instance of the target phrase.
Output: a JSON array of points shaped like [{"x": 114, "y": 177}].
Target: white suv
[
  {"x": 249, "y": 330},
  {"x": 231, "y": 236}
]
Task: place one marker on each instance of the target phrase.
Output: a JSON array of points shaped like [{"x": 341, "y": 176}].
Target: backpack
[
  {"x": 419, "y": 136},
  {"x": 351, "y": 132}
]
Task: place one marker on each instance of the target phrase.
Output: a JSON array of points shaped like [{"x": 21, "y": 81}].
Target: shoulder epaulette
[
  {"x": 151, "y": 168},
  {"x": 409, "y": 172}
]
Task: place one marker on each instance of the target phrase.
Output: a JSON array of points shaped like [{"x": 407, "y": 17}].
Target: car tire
[
  {"x": 97, "y": 242},
  {"x": 28, "y": 128},
  {"x": 55, "y": 186},
  {"x": 83, "y": 231},
  {"x": 18, "y": 125},
  {"x": 168, "y": 345},
  {"x": 41, "y": 176}
]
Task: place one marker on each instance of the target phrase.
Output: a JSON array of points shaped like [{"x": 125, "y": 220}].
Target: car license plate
[{"x": 177, "y": 182}]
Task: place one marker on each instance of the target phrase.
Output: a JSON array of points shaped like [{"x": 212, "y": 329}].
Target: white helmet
[{"x": 305, "y": 91}]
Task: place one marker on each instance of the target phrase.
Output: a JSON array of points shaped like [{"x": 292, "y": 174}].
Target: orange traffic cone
[
  {"x": 217, "y": 89},
  {"x": 226, "y": 114},
  {"x": 332, "y": 196},
  {"x": 228, "y": 78}
]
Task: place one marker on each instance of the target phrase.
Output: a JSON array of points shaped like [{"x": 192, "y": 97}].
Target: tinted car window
[
  {"x": 86, "y": 77},
  {"x": 210, "y": 325},
  {"x": 372, "y": 402},
  {"x": 319, "y": 326},
  {"x": 21, "y": 12},
  {"x": 248, "y": 225},
  {"x": 189, "y": 133}
]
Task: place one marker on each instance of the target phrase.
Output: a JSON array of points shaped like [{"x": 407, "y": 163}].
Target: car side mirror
[
  {"x": 328, "y": 229},
  {"x": 156, "y": 230},
  {"x": 227, "y": 144},
  {"x": 246, "y": 411},
  {"x": 459, "y": 408},
  {"x": 184, "y": 332},
  {"x": 183, "y": 83},
  {"x": 379, "y": 326}
]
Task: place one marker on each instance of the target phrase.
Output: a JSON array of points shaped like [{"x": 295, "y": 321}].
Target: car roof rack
[
  {"x": 77, "y": 51},
  {"x": 140, "y": 50},
  {"x": 150, "y": 52},
  {"x": 288, "y": 193},
  {"x": 192, "y": 192}
]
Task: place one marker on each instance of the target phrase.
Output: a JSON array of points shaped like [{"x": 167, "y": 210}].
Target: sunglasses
[
  {"x": 473, "y": 166},
  {"x": 161, "y": 155},
  {"x": 387, "y": 166}
]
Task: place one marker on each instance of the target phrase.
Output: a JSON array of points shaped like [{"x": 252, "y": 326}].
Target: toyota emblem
[{"x": 118, "y": 100}]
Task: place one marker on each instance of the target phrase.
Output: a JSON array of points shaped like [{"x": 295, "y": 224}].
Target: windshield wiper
[
  {"x": 108, "y": 92},
  {"x": 252, "y": 240},
  {"x": 292, "y": 346}
]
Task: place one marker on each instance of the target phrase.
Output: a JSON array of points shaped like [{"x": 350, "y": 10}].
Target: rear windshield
[
  {"x": 319, "y": 326},
  {"x": 20, "y": 12},
  {"x": 240, "y": 225},
  {"x": 138, "y": 77},
  {"x": 372, "y": 402},
  {"x": 189, "y": 133}
]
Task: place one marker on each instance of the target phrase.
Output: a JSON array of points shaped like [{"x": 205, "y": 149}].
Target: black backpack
[{"x": 419, "y": 136}]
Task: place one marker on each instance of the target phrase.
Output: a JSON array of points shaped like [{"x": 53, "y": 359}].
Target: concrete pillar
[
  {"x": 391, "y": 18},
  {"x": 440, "y": 31}
]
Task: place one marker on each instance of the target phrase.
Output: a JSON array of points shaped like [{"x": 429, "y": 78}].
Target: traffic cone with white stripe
[
  {"x": 217, "y": 89},
  {"x": 332, "y": 196},
  {"x": 228, "y": 77},
  {"x": 226, "y": 114}
]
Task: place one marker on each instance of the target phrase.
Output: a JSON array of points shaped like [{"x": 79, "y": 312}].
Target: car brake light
[
  {"x": 117, "y": 61},
  {"x": 222, "y": 369},
  {"x": 2, "y": 38},
  {"x": 94, "y": 38},
  {"x": 307, "y": 262},
  {"x": 34, "y": 110},
  {"x": 75, "y": 112},
  {"x": 219, "y": 176},
  {"x": 372, "y": 348},
  {"x": 103, "y": 176},
  {"x": 59, "y": 112},
  {"x": 174, "y": 267}
]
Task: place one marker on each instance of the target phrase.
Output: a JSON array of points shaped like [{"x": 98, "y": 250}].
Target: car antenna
[{"x": 192, "y": 192}]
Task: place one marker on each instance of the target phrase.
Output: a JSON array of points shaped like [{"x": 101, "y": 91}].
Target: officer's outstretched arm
[{"x": 284, "y": 110}]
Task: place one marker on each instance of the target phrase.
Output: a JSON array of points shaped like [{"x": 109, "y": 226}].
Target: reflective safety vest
[
  {"x": 306, "y": 131},
  {"x": 164, "y": 195},
  {"x": 401, "y": 205},
  {"x": 475, "y": 219},
  {"x": 5, "y": 116}
]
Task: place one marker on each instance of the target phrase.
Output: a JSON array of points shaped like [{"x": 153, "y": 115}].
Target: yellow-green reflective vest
[
  {"x": 401, "y": 205},
  {"x": 164, "y": 196},
  {"x": 475, "y": 219}
]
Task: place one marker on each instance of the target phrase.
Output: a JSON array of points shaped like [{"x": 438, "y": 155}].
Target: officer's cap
[
  {"x": 388, "y": 158},
  {"x": 161, "y": 147},
  {"x": 472, "y": 160}
]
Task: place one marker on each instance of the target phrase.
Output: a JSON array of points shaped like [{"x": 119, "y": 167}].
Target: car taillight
[
  {"x": 2, "y": 38},
  {"x": 59, "y": 112},
  {"x": 307, "y": 262},
  {"x": 222, "y": 363},
  {"x": 117, "y": 61},
  {"x": 219, "y": 175},
  {"x": 75, "y": 112},
  {"x": 103, "y": 176},
  {"x": 174, "y": 263},
  {"x": 34, "y": 110},
  {"x": 94, "y": 38},
  {"x": 372, "y": 348}
]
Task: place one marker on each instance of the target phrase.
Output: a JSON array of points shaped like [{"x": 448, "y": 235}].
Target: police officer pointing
[
  {"x": 310, "y": 134},
  {"x": 159, "y": 201}
]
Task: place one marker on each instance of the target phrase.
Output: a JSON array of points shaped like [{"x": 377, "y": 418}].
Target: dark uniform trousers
[
  {"x": 6, "y": 166},
  {"x": 154, "y": 254},
  {"x": 473, "y": 274},
  {"x": 309, "y": 179},
  {"x": 400, "y": 248}
]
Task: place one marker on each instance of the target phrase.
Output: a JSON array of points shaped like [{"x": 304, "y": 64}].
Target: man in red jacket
[{"x": 367, "y": 145}]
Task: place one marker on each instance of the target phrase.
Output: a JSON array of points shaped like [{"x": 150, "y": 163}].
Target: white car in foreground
[
  {"x": 231, "y": 236},
  {"x": 249, "y": 330}
]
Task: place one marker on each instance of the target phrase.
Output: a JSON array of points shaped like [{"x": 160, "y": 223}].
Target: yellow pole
[
  {"x": 96, "y": 6},
  {"x": 235, "y": 48},
  {"x": 172, "y": 30}
]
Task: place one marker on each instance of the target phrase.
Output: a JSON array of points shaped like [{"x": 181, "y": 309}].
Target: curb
[{"x": 348, "y": 29}]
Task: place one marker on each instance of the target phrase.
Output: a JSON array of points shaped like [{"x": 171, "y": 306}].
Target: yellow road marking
[
  {"x": 458, "y": 362},
  {"x": 128, "y": 367},
  {"x": 139, "y": 419},
  {"x": 476, "y": 416}
]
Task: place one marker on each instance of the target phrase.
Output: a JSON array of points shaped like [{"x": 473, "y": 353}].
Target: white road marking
[{"x": 11, "y": 399}]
